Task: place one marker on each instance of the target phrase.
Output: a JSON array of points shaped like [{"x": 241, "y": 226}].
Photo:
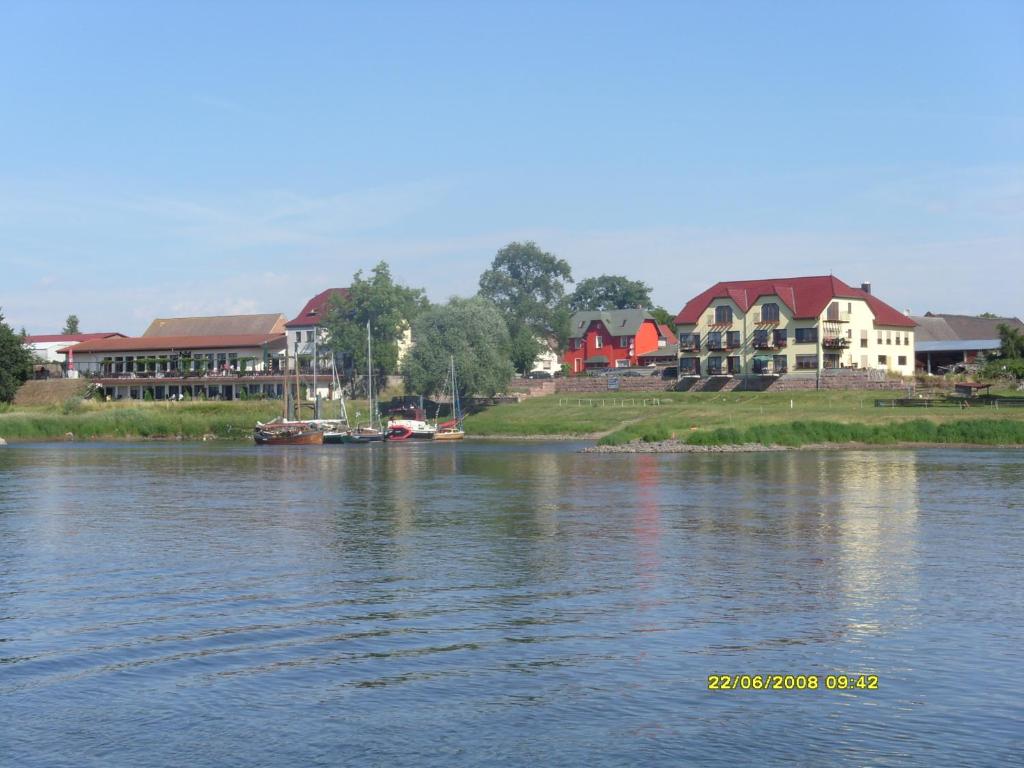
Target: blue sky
[{"x": 208, "y": 158}]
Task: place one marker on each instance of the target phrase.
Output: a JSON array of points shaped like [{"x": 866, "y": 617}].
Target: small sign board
[{"x": 613, "y": 382}]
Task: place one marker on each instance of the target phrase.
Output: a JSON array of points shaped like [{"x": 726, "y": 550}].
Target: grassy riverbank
[
  {"x": 127, "y": 420},
  {"x": 780, "y": 418},
  {"x": 770, "y": 418}
]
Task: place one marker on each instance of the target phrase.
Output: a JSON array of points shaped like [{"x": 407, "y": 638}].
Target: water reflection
[{"x": 515, "y": 600}]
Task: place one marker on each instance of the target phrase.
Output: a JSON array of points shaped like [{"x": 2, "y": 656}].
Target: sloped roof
[
  {"x": 220, "y": 325},
  {"x": 669, "y": 350},
  {"x": 619, "y": 322},
  {"x": 173, "y": 343},
  {"x": 938, "y": 327},
  {"x": 68, "y": 338},
  {"x": 665, "y": 331},
  {"x": 806, "y": 297},
  {"x": 316, "y": 308}
]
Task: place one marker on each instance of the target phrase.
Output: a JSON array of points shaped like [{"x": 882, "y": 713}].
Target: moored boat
[
  {"x": 288, "y": 435},
  {"x": 452, "y": 430}
]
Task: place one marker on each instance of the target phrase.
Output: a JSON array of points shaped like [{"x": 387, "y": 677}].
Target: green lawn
[
  {"x": 131, "y": 419},
  {"x": 684, "y": 415},
  {"x": 702, "y": 417}
]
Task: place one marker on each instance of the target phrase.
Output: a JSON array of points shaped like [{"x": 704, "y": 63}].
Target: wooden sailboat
[
  {"x": 369, "y": 433},
  {"x": 283, "y": 431},
  {"x": 452, "y": 430}
]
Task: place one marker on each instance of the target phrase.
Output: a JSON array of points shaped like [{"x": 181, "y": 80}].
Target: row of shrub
[{"x": 797, "y": 433}]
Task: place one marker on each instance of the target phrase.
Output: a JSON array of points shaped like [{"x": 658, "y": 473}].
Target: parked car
[{"x": 539, "y": 375}]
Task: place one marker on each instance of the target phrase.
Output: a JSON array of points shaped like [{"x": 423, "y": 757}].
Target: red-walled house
[{"x": 615, "y": 338}]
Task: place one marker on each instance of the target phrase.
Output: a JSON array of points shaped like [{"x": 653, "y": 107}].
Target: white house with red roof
[
  {"x": 783, "y": 325},
  {"x": 308, "y": 325},
  {"x": 45, "y": 347}
]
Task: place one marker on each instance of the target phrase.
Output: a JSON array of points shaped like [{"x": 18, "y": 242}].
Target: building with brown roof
[
  {"x": 46, "y": 347},
  {"x": 219, "y": 325},
  {"x": 945, "y": 342},
  {"x": 780, "y": 325},
  {"x": 168, "y": 366}
]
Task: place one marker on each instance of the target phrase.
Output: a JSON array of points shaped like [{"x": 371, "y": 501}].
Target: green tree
[
  {"x": 1011, "y": 341},
  {"x": 15, "y": 361},
  {"x": 664, "y": 317},
  {"x": 524, "y": 346},
  {"x": 71, "y": 326},
  {"x": 988, "y": 315},
  {"x": 390, "y": 309},
  {"x": 471, "y": 330},
  {"x": 609, "y": 292},
  {"x": 528, "y": 287}
]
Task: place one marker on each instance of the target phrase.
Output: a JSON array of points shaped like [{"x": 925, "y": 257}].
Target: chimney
[{"x": 866, "y": 287}]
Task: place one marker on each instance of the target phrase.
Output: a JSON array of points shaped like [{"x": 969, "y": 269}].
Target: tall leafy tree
[
  {"x": 389, "y": 308},
  {"x": 71, "y": 326},
  {"x": 664, "y": 317},
  {"x": 471, "y": 330},
  {"x": 1011, "y": 341},
  {"x": 528, "y": 285},
  {"x": 609, "y": 292},
  {"x": 524, "y": 346},
  {"x": 15, "y": 361}
]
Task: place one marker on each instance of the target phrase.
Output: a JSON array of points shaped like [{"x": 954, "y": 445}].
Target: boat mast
[
  {"x": 369, "y": 370},
  {"x": 298, "y": 386},
  {"x": 456, "y": 408},
  {"x": 285, "y": 380},
  {"x": 316, "y": 397}
]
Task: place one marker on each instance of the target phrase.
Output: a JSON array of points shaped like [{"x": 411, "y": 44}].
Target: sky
[{"x": 192, "y": 158}]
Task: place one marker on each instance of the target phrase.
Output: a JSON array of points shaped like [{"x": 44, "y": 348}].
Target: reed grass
[{"x": 798, "y": 433}]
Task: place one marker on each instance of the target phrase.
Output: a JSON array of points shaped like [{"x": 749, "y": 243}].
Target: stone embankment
[{"x": 674, "y": 446}]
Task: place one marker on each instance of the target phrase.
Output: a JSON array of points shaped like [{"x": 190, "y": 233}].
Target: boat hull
[
  {"x": 450, "y": 435},
  {"x": 353, "y": 438},
  {"x": 288, "y": 437}
]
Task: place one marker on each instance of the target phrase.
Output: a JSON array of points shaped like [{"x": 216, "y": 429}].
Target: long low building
[
  {"x": 47, "y": 348},
  {"x": 169, "y": 366},
  {"x": 945, "y": 342}
]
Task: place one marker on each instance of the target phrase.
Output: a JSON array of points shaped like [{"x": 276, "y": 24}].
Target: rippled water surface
[{"x": 506, "y": 604}]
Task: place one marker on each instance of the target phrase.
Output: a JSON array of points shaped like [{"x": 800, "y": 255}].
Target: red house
[{"x": 615, "y": 338}]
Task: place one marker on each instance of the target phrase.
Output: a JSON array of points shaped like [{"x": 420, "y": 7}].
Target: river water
[{"x": 513, "y": 604}]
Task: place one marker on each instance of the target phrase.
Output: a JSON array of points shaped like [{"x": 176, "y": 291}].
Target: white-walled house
[
  {"x": 46, "y": 347},
  {"x": 784, "y": 325},
  {"x": 548, "y": 361},
  {"x": 168, "y": 366}
]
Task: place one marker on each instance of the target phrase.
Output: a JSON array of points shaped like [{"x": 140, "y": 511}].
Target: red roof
[
  {"x": 173, "y": 343},
  {"x": 68, "y": 338},
  {"x": 667, "y": 333},
  {"x": 806, "y": 297},
  {"x": 316, "y": 308}
]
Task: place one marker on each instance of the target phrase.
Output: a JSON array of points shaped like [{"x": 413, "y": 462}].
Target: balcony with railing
[
  {"x": 835, "y": 342},
  {"x": 689, "y": 342}
]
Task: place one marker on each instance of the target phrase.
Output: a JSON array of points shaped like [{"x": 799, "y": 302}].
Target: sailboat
[
  {"x": 452, "y": 430},
  {"x": 372, "y": 432},
  {"x": 283, "y": 431}
]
